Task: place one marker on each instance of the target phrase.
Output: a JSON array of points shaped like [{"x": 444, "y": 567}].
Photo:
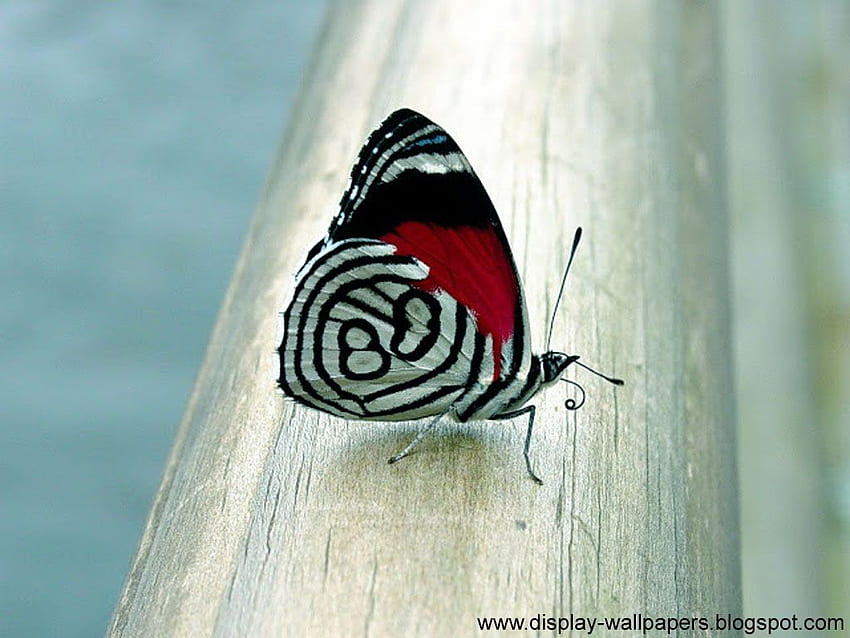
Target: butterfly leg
[
  {"x": 419, "y": 436},
  {"x": 529, "y": 410}
]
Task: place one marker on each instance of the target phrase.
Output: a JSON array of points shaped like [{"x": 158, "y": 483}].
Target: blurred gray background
[{"x": 135, "y": 140}]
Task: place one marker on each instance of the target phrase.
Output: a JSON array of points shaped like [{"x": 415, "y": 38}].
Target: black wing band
[{"x": 410, "y": 169}]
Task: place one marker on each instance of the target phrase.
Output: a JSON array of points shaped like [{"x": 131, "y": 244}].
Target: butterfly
[{"x": 411, "y": 306}]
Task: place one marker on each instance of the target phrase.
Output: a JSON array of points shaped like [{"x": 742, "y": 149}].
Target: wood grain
[{"x": 277, "y": 520}]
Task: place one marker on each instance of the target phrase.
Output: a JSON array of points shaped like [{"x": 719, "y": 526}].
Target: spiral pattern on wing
[{"x": 365, "y": 338}]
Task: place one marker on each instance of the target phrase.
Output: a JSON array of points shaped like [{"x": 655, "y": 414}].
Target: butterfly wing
[
  {"x": 362, "y": 340},
  {"x": 414, "y": 188},
  {"x": 431, "y": 239}
]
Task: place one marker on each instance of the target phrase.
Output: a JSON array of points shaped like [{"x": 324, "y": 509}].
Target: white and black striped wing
[
  {"x": 362, "y": 340},
  {"x": 414, "y": 224}
]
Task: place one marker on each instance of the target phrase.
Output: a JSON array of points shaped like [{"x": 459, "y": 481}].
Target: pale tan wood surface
[{"x": 273, "y": 519}]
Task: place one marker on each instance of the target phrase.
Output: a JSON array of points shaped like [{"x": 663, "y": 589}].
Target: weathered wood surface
[{"x": 277, "y": 520}]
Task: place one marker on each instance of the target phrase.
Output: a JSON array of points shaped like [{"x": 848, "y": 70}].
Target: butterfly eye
[{"x": 554, "y": 363}]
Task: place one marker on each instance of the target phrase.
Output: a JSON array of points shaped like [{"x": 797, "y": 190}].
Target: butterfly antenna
[
  {"x": 613, "y": 380},
  {"x": 576, "y": 239}
]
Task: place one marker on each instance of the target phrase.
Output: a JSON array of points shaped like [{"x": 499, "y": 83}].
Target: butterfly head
[{"x": 553, "y": 364}]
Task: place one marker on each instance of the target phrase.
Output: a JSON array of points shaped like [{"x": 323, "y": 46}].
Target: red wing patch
[{"x": 472, "y": 265}]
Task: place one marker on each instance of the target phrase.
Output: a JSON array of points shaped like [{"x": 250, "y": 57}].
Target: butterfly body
[{"x": 411, "y": 306}]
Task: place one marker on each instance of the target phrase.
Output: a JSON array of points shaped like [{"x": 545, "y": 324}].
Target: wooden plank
[{"x": 277, "y": 520}]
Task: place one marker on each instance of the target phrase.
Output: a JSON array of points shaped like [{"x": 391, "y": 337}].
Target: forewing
[{"x": 413, "y": 187}]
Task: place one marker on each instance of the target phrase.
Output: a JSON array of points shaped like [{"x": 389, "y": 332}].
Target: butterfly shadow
[
  {"x": 331, "y": 494},
  {"x": 478, "y": 460}
]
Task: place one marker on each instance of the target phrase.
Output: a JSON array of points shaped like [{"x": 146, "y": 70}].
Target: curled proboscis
[{"x": 571, "y": 403}]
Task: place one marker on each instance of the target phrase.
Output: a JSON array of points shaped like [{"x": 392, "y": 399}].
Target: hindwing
[{"x": 362, "y": 340}]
